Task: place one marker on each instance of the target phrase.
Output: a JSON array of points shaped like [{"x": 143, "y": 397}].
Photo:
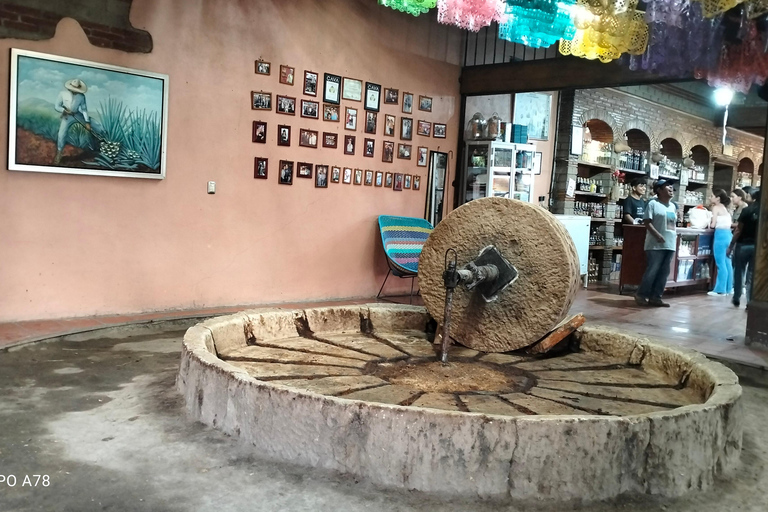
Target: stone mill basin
[{"x": 358, "y": 389}]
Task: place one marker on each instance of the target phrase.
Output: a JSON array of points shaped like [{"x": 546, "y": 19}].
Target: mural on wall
[
  {"x": 78, "y": 117},
  {"x": 532, "y": 110}
]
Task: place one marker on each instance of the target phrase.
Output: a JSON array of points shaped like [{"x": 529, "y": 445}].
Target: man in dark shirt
[
  {"x": 634, "y": 204},
  {"x": 743, "y": 248}
]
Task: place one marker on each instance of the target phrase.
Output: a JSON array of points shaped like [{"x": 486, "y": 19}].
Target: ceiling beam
[{"x": 551, "y": 74}]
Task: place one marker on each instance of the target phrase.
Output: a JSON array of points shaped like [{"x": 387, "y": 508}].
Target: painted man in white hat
[{"x": 71, "y": 104}]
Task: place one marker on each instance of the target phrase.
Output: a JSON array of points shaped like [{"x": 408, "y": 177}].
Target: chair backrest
[{"x": 403, "y": 239}]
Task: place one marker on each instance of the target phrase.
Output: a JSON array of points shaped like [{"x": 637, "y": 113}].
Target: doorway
[{"x": 438, "y": 164}]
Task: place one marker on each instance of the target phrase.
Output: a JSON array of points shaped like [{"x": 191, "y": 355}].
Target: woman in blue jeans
[{"x": 721, "y": 223}]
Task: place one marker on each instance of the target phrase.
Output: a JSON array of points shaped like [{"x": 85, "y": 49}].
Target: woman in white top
[{"x": 721, "y": 222}]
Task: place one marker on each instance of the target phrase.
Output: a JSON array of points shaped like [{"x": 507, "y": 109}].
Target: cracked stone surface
[{"x": 385, "y": 410}]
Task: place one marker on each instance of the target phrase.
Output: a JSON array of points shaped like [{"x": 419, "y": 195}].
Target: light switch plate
[{"x": 211, "y": 187}]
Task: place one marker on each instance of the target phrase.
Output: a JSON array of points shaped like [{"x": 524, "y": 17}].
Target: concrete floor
[{"x": 98, "y": 414}]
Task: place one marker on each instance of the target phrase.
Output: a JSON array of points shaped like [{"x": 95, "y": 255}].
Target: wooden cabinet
[{"x": 692, "y": 265}]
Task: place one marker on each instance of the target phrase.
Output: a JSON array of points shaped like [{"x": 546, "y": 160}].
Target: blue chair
[{"x": 402, "y": 239}]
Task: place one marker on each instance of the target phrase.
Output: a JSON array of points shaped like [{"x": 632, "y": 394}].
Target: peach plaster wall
[{"x": 85, "y": 245}]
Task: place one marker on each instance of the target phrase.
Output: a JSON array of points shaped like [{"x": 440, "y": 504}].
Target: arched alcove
[
  {"x": 599, "y": 131},
  {"x": 746, "y": 165},
  {"x": 672, "y": 149},
  {"x": 638, "y": 140},
  {"x": 700, "y": 155}
]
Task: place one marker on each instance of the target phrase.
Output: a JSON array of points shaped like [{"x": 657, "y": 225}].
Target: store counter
[{"x": 693, "y": 263}]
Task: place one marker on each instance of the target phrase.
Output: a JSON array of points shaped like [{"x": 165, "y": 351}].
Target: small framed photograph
[
  {"x": 368, "y": 178},
  {"x": 286, "y": 105},
  {"x": 404, "y": 151},
  {"x": 331, "y": 88},
  {"x": 406, "y": 128},
  {"x": 349, "y": 144},
  {"x": 398, "y": 183},
  {"x": 304, "y": 170},
  {"x": 260, "y": 132},
  {"x": 422, "y": 160},
  {"x": 370, "y": 122},
  {"x": 438, "y": 131},
  {"x": 353, "y": 89},
  {"x": 358, "y": 176},
  {"x": 261, "y": 100},
  {"x": 263, "y": 67},
  {"x": 331, "y": 113},
  {"x": 308, "y": 138},
  {"x": 330, "y": 140},
  {"x": 260, "y": 169},
  {"x": 310, "y": 83},
  {"x": 286, "y": 172},
  {"x": 389, "y": 125},
  {"x": 335, "y": 174},
  {"x": 347, "y": 175},
  {"x": 424, "y": 128},
  {"x": 388, "y": 180},
  {"x": 416, "y": 182},
  {"x": 350, "y": 119},
  {"x": 391, "y": 96},
  {"x": 425, "y": 103},
  {"x": 379, "y": 181},
  {"x": 283, "y": 135},
  {"x": 407, "y": 103},
  {"x": 388, "y": 153},
  {"x": 372, "y": 96},
  {"x": 369, "y": 144},
  {"x": 310, "y": 109},
  {"x": 321, "y": 176},
  {"x": 286, "y": 74},
  {"x": 407, "y": 181}
]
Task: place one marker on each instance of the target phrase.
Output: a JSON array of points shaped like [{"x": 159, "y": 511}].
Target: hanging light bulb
[
  {"x": 537, "y": 23},
  {"x": 412, "y": 7}
]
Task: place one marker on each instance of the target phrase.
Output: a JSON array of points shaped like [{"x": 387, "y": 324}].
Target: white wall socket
[{"x": 211, "y": 187}]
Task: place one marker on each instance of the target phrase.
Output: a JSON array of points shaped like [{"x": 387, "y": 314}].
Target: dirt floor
[
  {"x": 98, "y": 415},
  {"x": 32, "y": 149}
]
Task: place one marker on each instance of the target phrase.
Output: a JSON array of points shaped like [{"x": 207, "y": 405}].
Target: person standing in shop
[
  {"x": 739, "y": 201},
  {"x": 660, "y": 218},
  {"x": 634, "y": 203},
  {"x": 743, "y": 248},
  {"x": 721, "y": 223}
]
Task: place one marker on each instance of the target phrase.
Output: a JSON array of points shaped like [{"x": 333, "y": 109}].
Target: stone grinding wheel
[{"x": 532, "y": 240}]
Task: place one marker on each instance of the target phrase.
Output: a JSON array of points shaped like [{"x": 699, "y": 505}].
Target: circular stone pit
[{"x": 357, "y": 390}]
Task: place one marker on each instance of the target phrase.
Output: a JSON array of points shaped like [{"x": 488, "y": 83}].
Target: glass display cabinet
[{"x": 498, "y": 169}]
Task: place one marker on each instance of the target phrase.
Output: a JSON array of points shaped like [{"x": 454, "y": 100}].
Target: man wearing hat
[
  {"x": 660, "y": 219},
  {"x": 71, "y": 105}
]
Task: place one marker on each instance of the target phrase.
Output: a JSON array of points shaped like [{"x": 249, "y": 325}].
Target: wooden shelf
[
  {"x": 599, "y": 247},
  {"x": 668, "y": 177},
  {"x": 618, "y": 247},
  {"x": 592, "y": 164},
  {"x": 590, "y": 194},
  {"x": 697, "y": 182},
  {"x": 632, "y": 171}
]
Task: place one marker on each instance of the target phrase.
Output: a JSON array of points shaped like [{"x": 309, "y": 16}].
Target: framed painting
[
  {"x": 349, "y": 144},
  {"x": 388, "y": 152},
  {"x": 391, "y": 96},
  {"x": 407, "y": 181},
  {"x": 330, "y": 140},
  {"x": 286, "y": 105},
  {"x": 369, "y": 145},
  {"x": 424, "y": 128},
  {"x": 286, "y": 172},
  {"x": 388, "y": 180},
  {"x": 310, "y": 109},
  {"x": 73, "y": 116},
  {"x": 372, "y": 97},
  {"x": 422, "y": 160},
  {"x": 335, "y": 174},
  {"x": 331, "y": 113},
  {"x": 370, "y": 122},
  {"x": 310, "y": 83},
  {"x": 407, "y": 103},
  {"x": 263, "y": 67},
  {"x": 283, "y": 135},
  {"x": 347, "y": 176},
  {"x": 425, "y": 104},
  {"x": 350, "y": 119},
  {"x": 321, "y": 176},
  {"x": 368, "y": 178},
  {"x": 406, "y": 128},
  {"x": 404, "y": 151},
  {"x": 286, "y": 74},
  {"x": 261, "y": 100},
  {"x": 398, "y": 183},
  {"x": 358, "y": 176},
  {"x": 331, "y": 88},
  {"x": 379, "y": 179},
  {"x": 353, "y": 89},
  {"x": 308, "y": 138},
  {"x": 260, "y": 132},
  {"x": 438, "y": 131},
  {"x": 389, "y": 125},
  {"x": 304, "y": 170},
  {"x": 260, "y": 169},
  {"x": 416, "y": 182}
]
